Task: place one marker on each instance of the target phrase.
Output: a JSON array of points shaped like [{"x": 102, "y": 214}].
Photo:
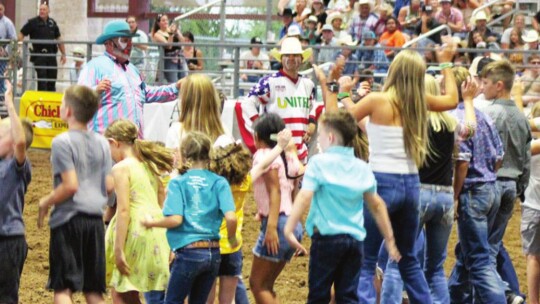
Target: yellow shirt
[{"x": 239, "y": 194}]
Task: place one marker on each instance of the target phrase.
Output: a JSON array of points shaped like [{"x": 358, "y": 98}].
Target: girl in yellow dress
[{"x": 137, "y": 258}]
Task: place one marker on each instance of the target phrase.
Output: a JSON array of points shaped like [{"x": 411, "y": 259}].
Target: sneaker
[{"x": 512, "y": 298}]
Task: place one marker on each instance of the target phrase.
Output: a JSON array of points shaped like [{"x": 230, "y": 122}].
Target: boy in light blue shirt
[{"x": 337, "y": 184}]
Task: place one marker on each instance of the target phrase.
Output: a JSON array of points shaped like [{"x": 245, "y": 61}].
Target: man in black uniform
[{"x": 44, "y": 55}]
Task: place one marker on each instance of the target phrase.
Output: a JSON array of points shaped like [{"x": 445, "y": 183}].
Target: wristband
[
  {"x": 343, "y": 95},
  {"x": 446, "y": 65}
]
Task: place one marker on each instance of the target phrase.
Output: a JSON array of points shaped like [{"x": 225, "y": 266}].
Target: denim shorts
[
  {"x": 285, "y": 252},
  {"x": 231, "y": 264}
]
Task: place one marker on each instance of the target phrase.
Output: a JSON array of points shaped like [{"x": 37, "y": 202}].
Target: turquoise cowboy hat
[{"x": 113, "y": 29}]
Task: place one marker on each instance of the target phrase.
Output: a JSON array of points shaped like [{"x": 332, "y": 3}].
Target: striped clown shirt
[{"x": 126, "y": 98}]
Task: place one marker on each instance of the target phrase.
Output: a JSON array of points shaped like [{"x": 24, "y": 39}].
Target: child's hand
[
  {"x": 271, "y": 241},
  {"x": 345, "y": 84},
  {"x": 43, "y": 210},
  {"x": 469, "y": 89},
  {"x": 284, "y": 138},
  {"x": 393, "y": 252},
  {"x": 233, "y": 242},
  {"x": 300, "y": 250},
  {"x": 147, "y": 221},
  {"x": 121, "y": 264},
  {"x": 321, "y": 77}
]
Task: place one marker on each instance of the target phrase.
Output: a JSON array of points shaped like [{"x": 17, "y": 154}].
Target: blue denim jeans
[
  {"x": 170, "y": 69},
  {"x": 154, "y": 297},
  {"x": 192, "y": 274},
  {"x": 334, "y": 260},
  {"x": 436, "y": 212},
  {"x": 241, "y": 293},
  {"x": 507, "y": 194},
  {"x": 474, "y": 270},
  {"x": 401, "y": 194}
]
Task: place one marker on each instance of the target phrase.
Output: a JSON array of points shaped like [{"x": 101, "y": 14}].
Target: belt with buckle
[
  {"x": 437, "y": 188},
  {"x": 203, "y": 244}
]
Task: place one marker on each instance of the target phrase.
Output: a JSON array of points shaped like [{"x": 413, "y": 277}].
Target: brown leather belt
[{"x": 203, "y": 244}]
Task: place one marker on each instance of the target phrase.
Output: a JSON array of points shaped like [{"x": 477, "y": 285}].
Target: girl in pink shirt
[{"x": 273, "y": 193}]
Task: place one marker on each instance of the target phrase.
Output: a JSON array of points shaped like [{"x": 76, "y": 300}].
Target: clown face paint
[
  {"x": 122, "y": 47},
  {"x": 291, "y": 62}
]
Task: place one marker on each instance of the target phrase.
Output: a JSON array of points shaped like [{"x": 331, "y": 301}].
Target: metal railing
[
  {"x": 224, "y": 72},
  {"x": 436, "y": 30}
]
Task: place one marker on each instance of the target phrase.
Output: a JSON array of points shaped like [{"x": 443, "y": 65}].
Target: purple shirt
[{"x": 482, "y": 151}]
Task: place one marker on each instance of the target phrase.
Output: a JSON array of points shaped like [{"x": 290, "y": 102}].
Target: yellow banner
[{"x": 43, "y": 110}]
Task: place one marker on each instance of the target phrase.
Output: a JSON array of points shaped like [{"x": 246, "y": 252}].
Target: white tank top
[
  {"x": 387, "y": 150},
  {"x": 532, "y": 193}
]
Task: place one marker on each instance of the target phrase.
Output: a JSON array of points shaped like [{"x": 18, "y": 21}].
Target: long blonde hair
[
  {"x": 406, "y": 89},
  {"x": 200, "y": 106},
  {"x": 157, "y": 158},
  {"x": 438, "y": 120}
]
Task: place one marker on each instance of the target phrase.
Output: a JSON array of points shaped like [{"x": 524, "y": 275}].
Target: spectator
[
  {"x": 392, "y": 37},
  {"x": 138, "y": 53},
  {"x": 337, "y": 6},
  {"x": 109, "y": 73},
  {"x": 311, "y": 33},
  {"x": 336, "y": 21},
  {"x": 7, "y": 31},
  {"x": 288, "y": 21},
  {"x": 79, "y": 62},
  {"x": 480, "y": 20},
  {"x": 385, "y": 11},
  {"x": 519, "y": 24},
  {"x": 373, "y": 59},
  {"x": 308, "y": 64},
  {"x": 531, "y": 38},
  {"x": 427, "y": 23},
  {"x": 365, "y": 21},
  {"x": 409, "y": 17},
  {"x": 44, "y": 55},
  {"x": 467, "y": 7},
  {"x": 351, "y": 61},
  {"x": 517, "y": 44},
  {"x": 254, "y": 59},
  {"x": 327, "y": 39},
  {"x": 163, "y": 33},
  {"x": 452, "y": 17},
  {"x": 531, "y": 80},
  {"x": 317, "y": 10},
  {"x": 194, "y": 57},
  {"x": 301, "y": 11}
]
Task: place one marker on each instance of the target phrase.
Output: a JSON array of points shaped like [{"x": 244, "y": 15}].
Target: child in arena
[
  {"x": 15, "y": 174},
  {"x": 233, "y": 161},
  {"x": 81, "y": 166},
  {"x": 196, "y": 203},
  {"x": 273, "y": 195},
  {"x": 338, "y": 184},
  {"x": 137, "y": 258}
]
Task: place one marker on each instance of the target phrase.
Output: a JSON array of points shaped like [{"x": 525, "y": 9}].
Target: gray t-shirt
[
  {"x": 87, "y": 153},
  {"x": 14, "y": 180}
]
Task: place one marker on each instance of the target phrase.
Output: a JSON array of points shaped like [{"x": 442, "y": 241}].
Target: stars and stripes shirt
[
  {"x": 292, "y": 99},
  {"x": 127, "y": 96}
]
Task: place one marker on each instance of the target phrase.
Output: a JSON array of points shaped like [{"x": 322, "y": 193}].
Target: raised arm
[
  {"x": 17, "y": 131},
  {"x": 449, "y": 101},
  {"x": 283, "y": 139}
]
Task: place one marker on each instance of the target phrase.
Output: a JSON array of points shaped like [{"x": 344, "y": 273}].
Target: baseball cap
[
  {"x": 287, "y": 13},
  {"x": 256, "y": 40},
  {"x": 327, "y": 27},
  {"x": 368, "y": 35}
]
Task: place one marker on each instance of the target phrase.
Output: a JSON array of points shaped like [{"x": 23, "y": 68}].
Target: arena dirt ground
[{"x": 291, "y": 286}]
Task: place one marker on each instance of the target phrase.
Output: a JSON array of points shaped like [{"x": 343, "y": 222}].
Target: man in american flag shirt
[{"x": 285, "y": 93}]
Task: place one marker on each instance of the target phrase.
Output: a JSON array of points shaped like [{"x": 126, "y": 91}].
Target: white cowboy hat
[
  {"x": 347, "y": 40},
  {"x": 530, "y": 36},
  {"x": 481, "y": 15},
  {"x": 361, "y": 2},
  {"x": 333, "y": 16},
  {"x": 291, "y": 45}
]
